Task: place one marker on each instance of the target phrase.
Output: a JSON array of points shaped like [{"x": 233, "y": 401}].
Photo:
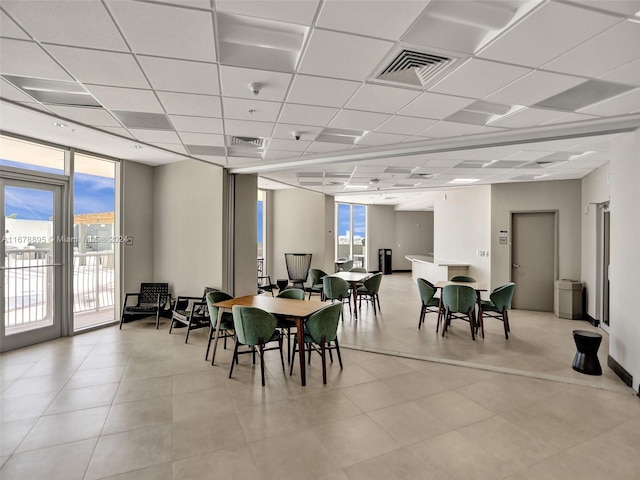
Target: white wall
[
  {"x": 245, "y": 248},
  {"x": 414, "y": 235},
  {"x": 298, "y": 222},
  {"x": 624, "y": 332},
  {"x": 137, "y": 220},
  {"x": 563, "y": 196},
  {"x": 595, "y": 189},
  {"x": 462, "y": 226},
  {"x": 187, "y": 226},
  {"x": 381, "y": 222}
]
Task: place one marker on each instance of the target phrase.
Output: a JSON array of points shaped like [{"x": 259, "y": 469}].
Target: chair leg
[
  {"x": 234, "y": 359},
  {"x": 421, "y": 318},
  {"x": 211, "y": 335},
  {"x": 261, "y": 349},
  {"x": 338, "y": 352},
  {"x": 281, "y": 355},
  {"x": 472, "y": 323},
  {"x": 323, "y": 349},
  {"x": 158, "y": 319},
  {"x": 186, "y": 337},
  {"x": 295, "y": 348},
  {"x": 505, "y": 320}
]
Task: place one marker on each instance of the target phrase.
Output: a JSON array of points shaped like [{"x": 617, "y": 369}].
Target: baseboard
[
  {"x": 400, "y": 271},
  {"x": 619, "y": 370},
  {"x": 593, "y": 321}
]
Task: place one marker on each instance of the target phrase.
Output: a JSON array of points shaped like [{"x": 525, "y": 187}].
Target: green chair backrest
[
  {"x": 324, "y": 323},
  {"x": 372, "y": 283},
  {"x": 426, "y": 289},
  {"x": 462, "y": 278},
  {"x": 358, "y": 270},
  {"x": 348, "y": 265},
  {"x": 215, "y": 296},
  {"x": 335, "y": 288},
  {"x": 316, "y": 276},
  {"x": 296, "y": 293},
  {"x": 501, "y": 297},
  {"x": 251, "y": 324},
  {"x": 459, "y": 298}
]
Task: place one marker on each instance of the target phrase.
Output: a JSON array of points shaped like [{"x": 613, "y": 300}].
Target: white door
[
  {"x": 32, "y": 261},
  {"x": 533, "y": 254}
]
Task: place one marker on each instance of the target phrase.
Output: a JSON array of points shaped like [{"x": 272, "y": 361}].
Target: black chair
[
  {"x": 298, "y": 265},
  {"x": 265, "y": 285},
  {"x": 150, "y": 300},
  {"x": 191, "y": 312}
]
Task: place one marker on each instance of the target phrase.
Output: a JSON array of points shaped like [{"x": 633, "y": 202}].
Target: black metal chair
[
  {"x": 191, "y": 312},
  {"x": 298, "y": 265},
  {"x": 150, "y": 300},
  {"x": 265, "y": 285}
]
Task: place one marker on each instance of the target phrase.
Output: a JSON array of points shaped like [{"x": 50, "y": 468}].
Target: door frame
[
  {"x": 62, "y": 308},
  {"x": 602, "y": 283},
  {"x": 556, "y": 214}
]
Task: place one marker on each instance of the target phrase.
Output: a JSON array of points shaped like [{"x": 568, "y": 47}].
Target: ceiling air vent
[
  {"x": 255, "y": 142},
  {"x": 415, "y": 68}
]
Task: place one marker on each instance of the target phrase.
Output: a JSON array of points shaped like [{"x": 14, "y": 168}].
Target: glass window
[
  {"x": 30, "y": 156},
  {"x": 351, "y": 232}
]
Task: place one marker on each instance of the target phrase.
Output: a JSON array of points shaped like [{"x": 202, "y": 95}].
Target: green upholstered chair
[
  {"x": 226, "y": 325},
  {"x": 459, "y": 301},
  {"x": 316, "y": 275},
  {"x": 284, "y": 324},
  {"x": 429, "y": 301},
  {"x": 150, "y": 300},
  {"x": 358, "y": 270},
  {"x": 347, "y": 266},
  {"x": 320, "y": 335},
  {"x": 369, "y": 291},
  {"x": 255, "y": 328},
  {"x": 462, "y": 278},
  {"x": 498, "y": 304},
  {"x": 336, "y": 289},
  {"x": 191, "y": 312}
]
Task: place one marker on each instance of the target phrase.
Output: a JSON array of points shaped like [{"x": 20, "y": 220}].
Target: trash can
[
  {"x": 568, "y": 299},
  {"x": 384, "y": 260}
]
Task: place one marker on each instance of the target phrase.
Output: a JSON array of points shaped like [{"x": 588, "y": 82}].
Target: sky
[
  {"x": 92, "y": 194},
  {"x": 359, "y": 219}
]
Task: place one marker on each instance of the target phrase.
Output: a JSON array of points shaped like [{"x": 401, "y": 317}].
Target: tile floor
[{"x": 141, "y": 404}]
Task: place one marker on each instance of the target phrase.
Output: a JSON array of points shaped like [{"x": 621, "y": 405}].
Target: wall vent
[
  {"x": 415, "y": 68},
  {"x": 254, "y": 142}
]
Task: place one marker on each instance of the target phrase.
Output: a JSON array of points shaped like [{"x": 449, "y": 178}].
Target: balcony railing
[{"x": 29, "y": 293}]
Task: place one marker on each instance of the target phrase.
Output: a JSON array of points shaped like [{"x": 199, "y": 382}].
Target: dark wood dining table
[
  {"x": 353, "y": 278},
  {"x": 479, "y": 287},
  {"x": 296, "y": 310}
]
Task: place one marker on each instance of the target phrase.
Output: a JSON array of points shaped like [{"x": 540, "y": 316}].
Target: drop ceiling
[{"x": 478, "y": 92}]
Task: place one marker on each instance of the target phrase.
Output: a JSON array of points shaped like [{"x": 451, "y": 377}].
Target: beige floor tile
[
  {"x": 236, "y": 462},
  {"x": 157, "y": 472},
  {"x": 36, "y": 385},
  {"x": 12, "y": 433},
  {"x": 373, "y": 395},
  {"x": 133, "y": 390},
  {"x": 331, "y": 405},
  {"x": 81, "y": 398},
  {"x": 454, "y": 409},
  {"x": 273, "y": 419},
  {"x": 195, "y": 404},
  {"x": 407, "y": 423},
  {"x": 27, "y": 406},
  {"x": 353, "y": 375},
  {"x": 98, "y": 376},
  {"x": 208, "y": 432},
  {"x": 396, "y": 465},
  {"x": 352, "y": 440},
  {"x": 415, "y": 384},
  {"x": 62, "y": 428},
  {"x": 565, "y": 465},
  {"x": 143, "y": 413},
  {"x": 385, "y": 366},
  {"x": 337, "y": 475},
  {"x": 61, "y": 462},
  {"x": 132, "y": 450}
]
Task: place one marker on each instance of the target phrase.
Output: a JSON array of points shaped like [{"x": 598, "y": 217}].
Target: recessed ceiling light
[
  {"x": 136, "y": 146},
  {"x": 464, "y": 181},
  {"x": 60, "y": 125},
  {"x": 538, "y": 177}
]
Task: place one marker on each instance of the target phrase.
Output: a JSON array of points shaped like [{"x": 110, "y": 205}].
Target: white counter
[{"x": 435, "y": 270}]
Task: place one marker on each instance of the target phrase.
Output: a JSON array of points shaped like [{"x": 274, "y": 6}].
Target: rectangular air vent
[
  {"x": 415, "y": 68},
  {"x": 253, "y": 142}
]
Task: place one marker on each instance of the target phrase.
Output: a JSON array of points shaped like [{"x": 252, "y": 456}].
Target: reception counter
[{"x": 435, "y": 270}]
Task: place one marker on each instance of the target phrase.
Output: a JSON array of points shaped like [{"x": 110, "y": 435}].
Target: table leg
[
  {"x": 480, "y": 319},
  {"x": 217, "y": 334},
  {"x": 300, "y": 335}
]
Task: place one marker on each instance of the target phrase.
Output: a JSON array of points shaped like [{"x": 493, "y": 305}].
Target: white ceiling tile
[
  {"x": 436, "y": 106},
  {"x": 603, "y": 53},
  {"x": 27, "y": 59},
  {"x": 487, "y": 78},
  {"x": 321, "y": 91},
  {"x": 166, "y": 31},
  {"x": 153, "y": 136},
  {"x": 288, "y": 145},
  {"x": 9, "y": 92},
  {"x": 623, "y": 7},
  {"x": 190, "y": 104},
  {"x": 243, "y": 128},
  {"x": 620, "y": 105},
  {"x": 533, "y": 88},
  {"x": 628, "y": 74},
  {"x": 340, "y": 55},
  {"x": 88, "y": 116},
  {"x": 378, "y": 98},
  {"x": 128, "y": 99},
  {"x": 383, "y": 19},
  {"x": 9, "y": 29},
  {"x": 183, "y": 123},
  {"x": 324, "y": 147},
  {"x": 201, "y": 4},
  {"x": 285, "y": 131},
  {"x": 356, "y": 120},
  {"x": 281, "y": 10},
  {"x": 100, "y": 67},
  {"x": 375, "y": 138},
  {"x": 449, "y": 129},
  {"x": 68, "y": 22},
  {"x": 249, "y": 109},
  {"x": 405, "y": 125},
  {"x": 307, "y": 115},
  {"x": 123, "y": 132},
  {"x": 174, "y": 147},
  {"x": 546, "y": 33},
  {"x": 235, "y": 83},
  {"x": 570, "y": 117},
  {"x": 202, "y": 139},
  {"x": 181, "y": 75}
]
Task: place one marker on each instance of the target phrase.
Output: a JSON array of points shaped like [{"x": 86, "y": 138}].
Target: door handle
[{"x": 515, "y": 265}]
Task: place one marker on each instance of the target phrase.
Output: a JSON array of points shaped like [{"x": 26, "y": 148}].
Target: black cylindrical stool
[
  {"x": 586, "y": 359},
  {"x": 282, "y": 283}
]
